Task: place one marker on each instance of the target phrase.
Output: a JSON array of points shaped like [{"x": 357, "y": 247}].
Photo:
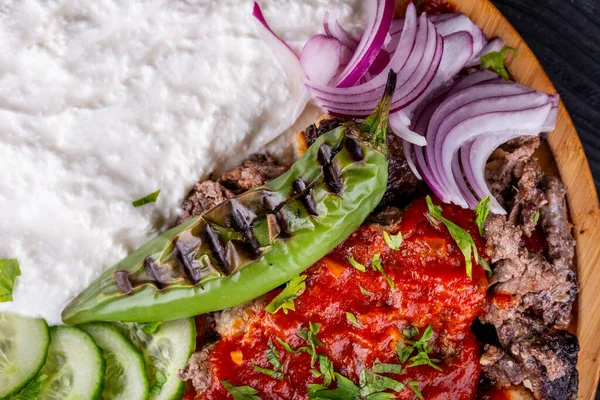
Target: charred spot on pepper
[
  {"x": 241, "y": 216},
  {"x": 333, "y": 178},
  {"x": 122, "y": 281},
  {"x": 184, "y": 257},
  {"x": 151, "y": 270},
  {"x": 214, "y": 243},
  {"x": 308, "y": 202},
  {"x": 354, "y": 148}
]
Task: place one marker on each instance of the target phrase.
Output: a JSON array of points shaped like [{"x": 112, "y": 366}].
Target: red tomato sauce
[{"x": 431, "y": 288}]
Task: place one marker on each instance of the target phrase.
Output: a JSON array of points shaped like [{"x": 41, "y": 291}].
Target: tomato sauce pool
[{"x": 431, "y": 289}]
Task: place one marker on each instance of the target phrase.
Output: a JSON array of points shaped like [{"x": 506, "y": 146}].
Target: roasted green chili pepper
[{"x": 252, "y": 243}]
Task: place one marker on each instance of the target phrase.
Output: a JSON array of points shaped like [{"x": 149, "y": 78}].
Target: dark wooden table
[{"x": 565, "y": 37}]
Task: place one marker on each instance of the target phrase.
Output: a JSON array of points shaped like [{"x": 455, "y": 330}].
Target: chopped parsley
[
  {"x": 270, "y": 372},
  {"x": 482, "y": 211},
  {"x": 463, "y": 240},
  {"x": 240, "y": 392},
  {"x": 285, "y": 299},
  {"x": 536, "y": 217},
  {"x": 151, "y": 198},
  {"x": 376, "y": 264},
  {"x": 326, "y": 369},
  {"x": 356, "y": 264},
  {"x": 273, "y": 358},
  {"x": 414, "y": 386},
  {"x": 289, "y": 349},
  {"x": 309, "y": 335},
  {"x": 9, "y": 270},
  {"x": 422, "y": 348},
  {"x": 393, "y": 241},
  {"x": 495, "y": 61},
  {"x": 384, "y": 368},
  {"x": 365, "y": 291},
  {"x": 353, "y": 320}
]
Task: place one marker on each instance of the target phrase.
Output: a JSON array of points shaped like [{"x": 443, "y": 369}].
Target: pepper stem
[{"x": 377, "y": 123}]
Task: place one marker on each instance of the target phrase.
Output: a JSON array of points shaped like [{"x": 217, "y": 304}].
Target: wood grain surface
[{"x": 564, "y": 154}]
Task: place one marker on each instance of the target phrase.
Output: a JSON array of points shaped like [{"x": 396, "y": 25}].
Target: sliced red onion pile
[{"x": 449, "y": 125}]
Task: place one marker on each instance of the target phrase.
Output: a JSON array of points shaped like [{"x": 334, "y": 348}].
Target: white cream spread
[{"x": 105, "y": 101}]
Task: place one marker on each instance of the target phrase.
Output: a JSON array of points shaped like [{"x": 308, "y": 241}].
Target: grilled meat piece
[
  {"x": 545, "y": 364},
  {"x": 254, "y": 171},
  {"x": 531, "y": 293},
  {"x": 203, "y": 196}
]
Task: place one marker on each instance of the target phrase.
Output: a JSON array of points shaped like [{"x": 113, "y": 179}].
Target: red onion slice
[
  {"x": 335, "y": 30},
  {"x": 322, "y": 57},
  {"x": 474, "y": 159},
  {"x": 376, "y": 85},
  {"x": 288, "y": 61},
  {"x": 528, "y": 120},
  {"x": 407, "y": 148},
  {"x": 379, "y": 20},
  {"x": 401, "y": 129}
]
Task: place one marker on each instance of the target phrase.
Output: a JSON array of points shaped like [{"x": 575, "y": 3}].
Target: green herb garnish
[
  {"x": 345, "y": 390},
  {"x": 423, "y": 349},
  {"x": 356, "y": 264},
  {"x": 365, "y": 291},
  {"x": 289, "y": 349},
  {"x": 273, "y": 356},
  {"x": 371, "y": 383},
  {"x": 384, "y": 368},
  {"x": 151, "y": 198},
  {"x": 495, "y": 61},
  {"x": 393, "y": 241},
  {"x": 536, "y": 217},
  {"x": 240, "y": 392},
  {"x": 482, "y": 211},
  {"x": 309, "y": 335},
  {"x": 463, "y": 240},
  {"x": 326, "y": 369},
  {"x": 376, "y": 264},
  {"x": 285, "y": 299},
  {"x": 353, "y": 320},
  {"x": 414, "y": 386},
  {"x": 9, "y": 270},
  {"x": 272, "y": 373}
]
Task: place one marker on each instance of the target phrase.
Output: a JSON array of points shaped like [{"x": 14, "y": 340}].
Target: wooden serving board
[{"x": 563, "y": 155}]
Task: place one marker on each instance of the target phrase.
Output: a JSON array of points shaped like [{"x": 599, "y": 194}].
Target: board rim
[{"x": 573, "y": 168}]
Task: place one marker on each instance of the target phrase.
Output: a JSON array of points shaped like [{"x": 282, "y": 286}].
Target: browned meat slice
[
  {"x": 204, "y": 196},
  {"x": 555, "y": 223},
  {"x": 535, "y": 287},
  {"x": 198, "y": 369},
  {"x": 545, "y": 364},
  {"x": 403, "y": 186},
  {"x": 502, "y": 163},
  {"x": 531, "y": 293},
  {"x": 256, "y": 170}
]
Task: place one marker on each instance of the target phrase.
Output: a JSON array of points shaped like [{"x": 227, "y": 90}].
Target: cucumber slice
[
  {"x": 75, "y": 366},
  {"x": 125, "y": 375},
  {"x": 23, "y": 347},
  {"x": 165, "y": 352}
]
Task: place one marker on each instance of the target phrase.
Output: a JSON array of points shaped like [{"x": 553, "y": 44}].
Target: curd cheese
[{"x": 103, "y": 102}]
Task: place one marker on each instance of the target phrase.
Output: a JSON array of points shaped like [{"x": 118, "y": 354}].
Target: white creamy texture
[{"x": 105, "y": 101}]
